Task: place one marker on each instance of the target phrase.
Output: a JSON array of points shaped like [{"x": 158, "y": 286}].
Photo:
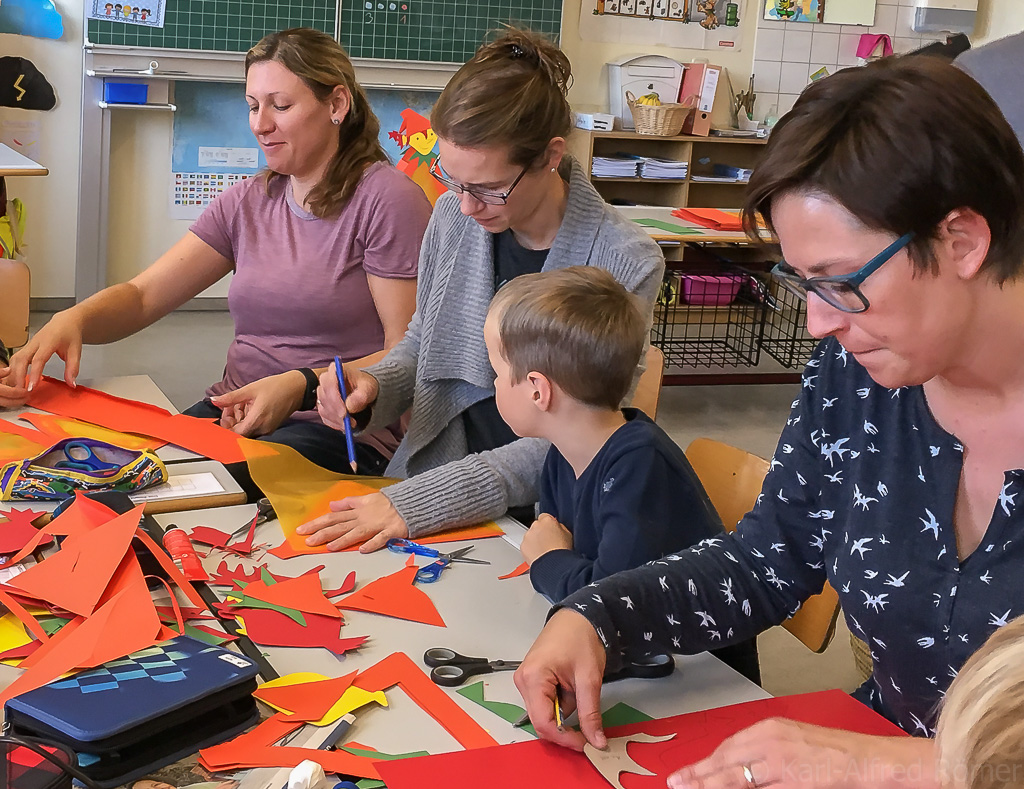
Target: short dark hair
[
  {"x": 578, "y": 326},
  {"x": 900, "y": 144}
]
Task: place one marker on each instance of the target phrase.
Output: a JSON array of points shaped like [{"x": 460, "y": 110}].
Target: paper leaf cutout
[
  {"x": 520, "y": 570},
  {"x": 397, "y": 596},
  {"x": 238, "y": 576},
  {"x": 18, "y": 531},
  {"x": 507, "y": 712},
  {"x": 253, "y": 604},
  {"x": 307, "y": 701},
  {"x": 346, "y": 586},
  {"x": 613, "y": 761},
  {"x": 301, "y": 594},
  {"x": 272, "y": 629}
]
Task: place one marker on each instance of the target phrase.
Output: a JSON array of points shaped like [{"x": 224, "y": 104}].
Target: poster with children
[{"x": 148, "y": 13}]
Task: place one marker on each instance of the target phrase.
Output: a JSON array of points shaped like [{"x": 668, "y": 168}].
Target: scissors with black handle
[{"x": 450, "y": 669}]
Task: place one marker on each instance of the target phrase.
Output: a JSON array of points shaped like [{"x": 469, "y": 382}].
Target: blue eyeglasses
[{"x": 841, "y": 292}]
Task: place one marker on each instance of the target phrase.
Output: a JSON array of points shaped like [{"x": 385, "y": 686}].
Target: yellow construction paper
[{"x": 352, "y": 699}]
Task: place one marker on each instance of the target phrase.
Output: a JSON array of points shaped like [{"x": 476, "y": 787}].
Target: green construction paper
[
  {"x": 369, "y": 783},
  {"x": 620, "y": 714},
  {"x": 266, "y": 577},
  {"x": 202, "y": 635},
  {"x": 670, "y": 227},
  {"x": 252, "y": 602},
  {"x": 381, "y": 756},
  {"x": 617, "y": 715},
  {"x": 51, "y": 624}
]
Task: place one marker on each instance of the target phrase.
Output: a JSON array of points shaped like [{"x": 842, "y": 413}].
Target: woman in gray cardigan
[{"x": 516, "y": 204}]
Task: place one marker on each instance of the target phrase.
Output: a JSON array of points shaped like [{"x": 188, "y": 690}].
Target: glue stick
[{"x": 179, "y": 546}]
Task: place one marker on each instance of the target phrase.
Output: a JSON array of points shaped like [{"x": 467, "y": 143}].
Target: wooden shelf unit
[{"x": 699, "y": 152}]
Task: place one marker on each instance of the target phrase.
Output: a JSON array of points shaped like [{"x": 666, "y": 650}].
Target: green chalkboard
[
  {"x": 444, "y": 31},
  {"x": 219, "y": 25},
  {"x": 441, "y": 31}
]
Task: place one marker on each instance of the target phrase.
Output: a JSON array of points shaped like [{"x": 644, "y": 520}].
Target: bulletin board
[{"x": 439, "y": 31}]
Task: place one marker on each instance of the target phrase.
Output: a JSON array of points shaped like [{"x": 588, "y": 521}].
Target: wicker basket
[
  {"x": 861, "y": 656},
  {"x": 665, "y": 120}
]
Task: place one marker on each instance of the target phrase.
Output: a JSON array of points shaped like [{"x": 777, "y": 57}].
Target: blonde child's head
[
  {"x": 980, "y": 735},
  {"x": 576, "y": 326}
]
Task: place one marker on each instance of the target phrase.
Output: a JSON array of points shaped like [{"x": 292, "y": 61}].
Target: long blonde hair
[
  {"x": 320, "y": 62},
  {"x": 980, "y": 735}
]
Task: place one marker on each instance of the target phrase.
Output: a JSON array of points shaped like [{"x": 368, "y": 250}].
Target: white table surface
[
  {"x": 664, "y": 214},
  {"x": 485, "y": 617},
  {"x": 14, "y": 163}
]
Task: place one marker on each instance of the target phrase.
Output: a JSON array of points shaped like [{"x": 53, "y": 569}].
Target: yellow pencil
[{"x": 558, "y": 710}]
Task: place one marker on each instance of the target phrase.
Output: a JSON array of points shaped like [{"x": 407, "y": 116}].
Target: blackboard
[{"x": 439, "y": 31}]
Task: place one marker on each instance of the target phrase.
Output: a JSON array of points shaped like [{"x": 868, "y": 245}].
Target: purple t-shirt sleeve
[
  {"x": 214, "y": 225},
  {"x": 392, "y": 245}
]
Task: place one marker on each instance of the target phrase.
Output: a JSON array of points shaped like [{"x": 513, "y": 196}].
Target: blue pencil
[{"x": 348, "y": 422}]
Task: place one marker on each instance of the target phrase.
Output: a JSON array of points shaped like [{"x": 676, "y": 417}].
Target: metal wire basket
[{"x": 786, "y": 338}]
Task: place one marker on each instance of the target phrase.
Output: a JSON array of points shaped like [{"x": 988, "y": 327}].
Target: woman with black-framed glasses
[
  {"x": 897, "y": 194},
  {"x": 517, "y": 204}
]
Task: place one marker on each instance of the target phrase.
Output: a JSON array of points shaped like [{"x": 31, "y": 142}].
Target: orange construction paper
[
  {"x": 226, "y": 758},
  {"x": 287, "y": 549},
  {"x": 306, "y": 701},
  {"x": 76, "y": 577},
  {"x": 24, "y": 616},
  {"x": 82, "y": 515},
  {"x": 540, "y": 763},
  {"x": 65, "y": 427},
  {"x": 303, "y": 594},
  {"x": 271, "y": 628},
  {"x": 125, "y": 624},
  {"x": 520, "y": 570},
  {"x": 399, "y": 669},
  {"x": 129, "y": 416},
  {"x": 711, "y": 218},
  {"x": 171, "y": 569},
  {"x": 36, "y": 437},
  {"x": 395, "y": 595}
]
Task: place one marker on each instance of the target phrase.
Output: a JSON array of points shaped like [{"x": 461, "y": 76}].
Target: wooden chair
[
  {"x": 648, "y": 388},
  {"x": 733, "y": 481}
]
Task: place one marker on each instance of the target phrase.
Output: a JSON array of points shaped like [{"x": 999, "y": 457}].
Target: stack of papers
[
  {"x": 619, "y": 166},
  {"x": 653, "y": 167}
]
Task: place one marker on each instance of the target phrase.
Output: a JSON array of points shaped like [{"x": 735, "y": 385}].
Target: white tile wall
[{"x": 787, "y": 53}]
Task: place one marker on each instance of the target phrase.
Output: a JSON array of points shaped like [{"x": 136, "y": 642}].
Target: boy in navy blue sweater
[{"x": 616, "y": 491}]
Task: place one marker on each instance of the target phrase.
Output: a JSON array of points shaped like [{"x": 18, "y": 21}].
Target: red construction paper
[
  {"x": 188, "y": 612},
  {"x": 171, "y": 569},
  {"x": 306, "y": 701},
  {"x": 237, "y": 576},
  {"x": 76, "y": 577},
  {"x": 395, "y": 595},
  {"x": 539, "y": 763},
  {"x": 520, "y": 570},
  {"x": 21, "y": 652},
  {"x": 399, "y": 669},
  {"x": 125, "y": 624},
  {"x": 297, "y": 547},
  {"x": 303, "y": 594},
  {"x": 129, "y": 416},
  {"x": 711, "y": 218},
  {"x": 207, "y": 535},
  {"x": 18, "y": 532},
  {"x": 346, "y": 586},
  {"x": 272, "y": 629}
]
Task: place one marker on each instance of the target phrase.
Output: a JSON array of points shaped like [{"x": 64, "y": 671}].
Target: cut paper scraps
[
  {"x": 711, "y": 218},
  {"x": 395, "y": 595},
  {"x": 301, "y": 491},
  {"x": 316, "y": 699},
  {"x": 237, "y": 576},
  {"x": 129, "y": 416},
  {"x": 520, "y": 570},
  {"x": 299, "y": 594},
  {"x": 614, "y": 760},
  {"x": 255, "y": 749},
  {"x": 271, "y": 628},
  {"x": 17, "y": 531},
  {"x": 96, "y": 578},
  {"x": 539, "y": 763}
]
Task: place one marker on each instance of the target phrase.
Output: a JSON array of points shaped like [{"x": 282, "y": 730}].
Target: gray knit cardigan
[{"x": 440, "y": 368}]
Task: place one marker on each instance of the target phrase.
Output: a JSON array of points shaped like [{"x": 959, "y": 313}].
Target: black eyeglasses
[
  {"x": 842, "y": 292},
  {"x": 490, "y": 198}
]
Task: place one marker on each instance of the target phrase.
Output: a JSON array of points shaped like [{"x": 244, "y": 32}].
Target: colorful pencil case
[{"x": 80, "y": 464}]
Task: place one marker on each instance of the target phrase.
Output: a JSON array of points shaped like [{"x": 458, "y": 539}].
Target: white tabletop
[
  {"x": 14, "y": 163},
  {"x": 485, "y": 617},
  {"x": 664, "y": 214}
]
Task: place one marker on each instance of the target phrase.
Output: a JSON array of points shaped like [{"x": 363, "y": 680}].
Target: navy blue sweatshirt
[{"x": 637, "y": 501}]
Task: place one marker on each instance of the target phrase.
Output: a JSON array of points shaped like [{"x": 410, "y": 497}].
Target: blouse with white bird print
[{"x": 861, "y": 493}]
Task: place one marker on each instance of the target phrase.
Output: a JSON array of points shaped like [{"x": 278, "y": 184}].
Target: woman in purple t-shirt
[{"x": 323, "y": 248}]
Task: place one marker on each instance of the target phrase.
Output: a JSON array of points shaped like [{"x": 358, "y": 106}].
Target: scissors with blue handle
[
  {"x": 408, "y": 546},
  {"x": 81, "y": 457},
  {"x": 431, "y": 572},
  {"x": 450, "y": 669}
]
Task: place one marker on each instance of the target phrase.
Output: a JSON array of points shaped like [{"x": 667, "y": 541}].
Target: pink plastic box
[{"x": 711, "y": 290}]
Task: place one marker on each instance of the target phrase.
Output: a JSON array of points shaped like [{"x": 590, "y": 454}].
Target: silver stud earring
[
  {"x": 336, "y": 122},
  {"x": 552, "y": 169}
]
